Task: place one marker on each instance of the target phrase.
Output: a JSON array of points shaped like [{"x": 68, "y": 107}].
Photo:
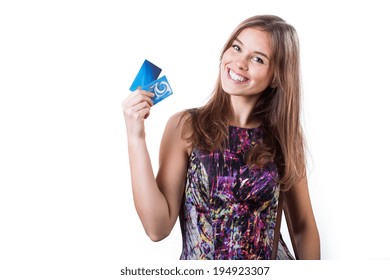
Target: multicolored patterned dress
[{"x": 229, "y": 210}]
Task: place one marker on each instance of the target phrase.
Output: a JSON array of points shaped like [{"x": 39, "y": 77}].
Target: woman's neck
[{"x": 242, "y": 112}]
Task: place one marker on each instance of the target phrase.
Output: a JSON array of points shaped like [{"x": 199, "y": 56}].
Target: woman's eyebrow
[{"x": 257, "y": 52}]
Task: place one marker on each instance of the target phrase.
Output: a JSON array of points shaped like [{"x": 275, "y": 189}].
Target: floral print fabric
[{"x": 229, "y": 210}]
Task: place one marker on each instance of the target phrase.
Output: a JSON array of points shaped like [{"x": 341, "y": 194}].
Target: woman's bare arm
[
  {"x": 157, "y": 200},
  {"x": 303, "y": 222}
]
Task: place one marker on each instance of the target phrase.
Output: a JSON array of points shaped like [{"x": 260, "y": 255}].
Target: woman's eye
[
  {"x": 258, "y": 60},
  {"x": 237, "y": 48}
]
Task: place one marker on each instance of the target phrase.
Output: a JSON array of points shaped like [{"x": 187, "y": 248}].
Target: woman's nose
[{"x": 242, "y": 64}]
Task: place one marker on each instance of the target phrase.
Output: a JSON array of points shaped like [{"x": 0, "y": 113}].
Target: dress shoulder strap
[{"x": 275, "y": 244}]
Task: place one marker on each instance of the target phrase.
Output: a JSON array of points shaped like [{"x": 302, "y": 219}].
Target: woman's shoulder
[
  {"x": 179, "y": 126},
  {"x": 179, "y": 119}
]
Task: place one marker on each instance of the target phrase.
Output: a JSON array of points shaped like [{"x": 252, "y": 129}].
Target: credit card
[
  {"x": 160, "y": 88},
  {"x": 146, "y": 74}
]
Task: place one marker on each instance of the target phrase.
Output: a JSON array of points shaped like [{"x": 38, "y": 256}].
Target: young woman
[{"x": 224, "y": 165}]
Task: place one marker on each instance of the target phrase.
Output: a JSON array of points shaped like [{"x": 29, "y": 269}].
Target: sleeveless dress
[{"x": 229, "y": 210}]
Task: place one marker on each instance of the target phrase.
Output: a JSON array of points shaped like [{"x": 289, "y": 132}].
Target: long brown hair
[{"x": 278, "y": 107}]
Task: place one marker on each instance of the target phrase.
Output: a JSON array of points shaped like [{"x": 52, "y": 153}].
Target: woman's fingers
[
  {"x": 137, "y": 105},
  {"x": 136, "y": 108},
  {"x": 138, "y": 111},
  {"x": 136, "y": 97}
]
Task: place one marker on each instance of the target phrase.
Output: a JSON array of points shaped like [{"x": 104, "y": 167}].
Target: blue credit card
[
  {"x": 146, "y": 74},
  {"x": 160, "y": 88}
]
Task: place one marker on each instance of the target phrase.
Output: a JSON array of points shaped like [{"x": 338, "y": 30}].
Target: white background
[{"x": 66, "y": 204}]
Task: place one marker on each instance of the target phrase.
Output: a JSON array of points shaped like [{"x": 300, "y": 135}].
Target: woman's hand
[{"x": 136, "y": 108}]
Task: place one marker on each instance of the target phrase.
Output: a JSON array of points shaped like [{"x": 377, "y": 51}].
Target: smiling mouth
[{"x": 236, "y": 77}]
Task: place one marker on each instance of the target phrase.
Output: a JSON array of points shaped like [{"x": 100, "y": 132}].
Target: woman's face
[{"x": 246, "y": 66}]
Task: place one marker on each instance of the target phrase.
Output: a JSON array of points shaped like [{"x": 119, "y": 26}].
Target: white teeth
[{"x": 236, "y": 77}]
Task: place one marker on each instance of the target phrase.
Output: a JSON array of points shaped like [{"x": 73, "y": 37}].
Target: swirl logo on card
[{"x": 160, "y": 88}]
